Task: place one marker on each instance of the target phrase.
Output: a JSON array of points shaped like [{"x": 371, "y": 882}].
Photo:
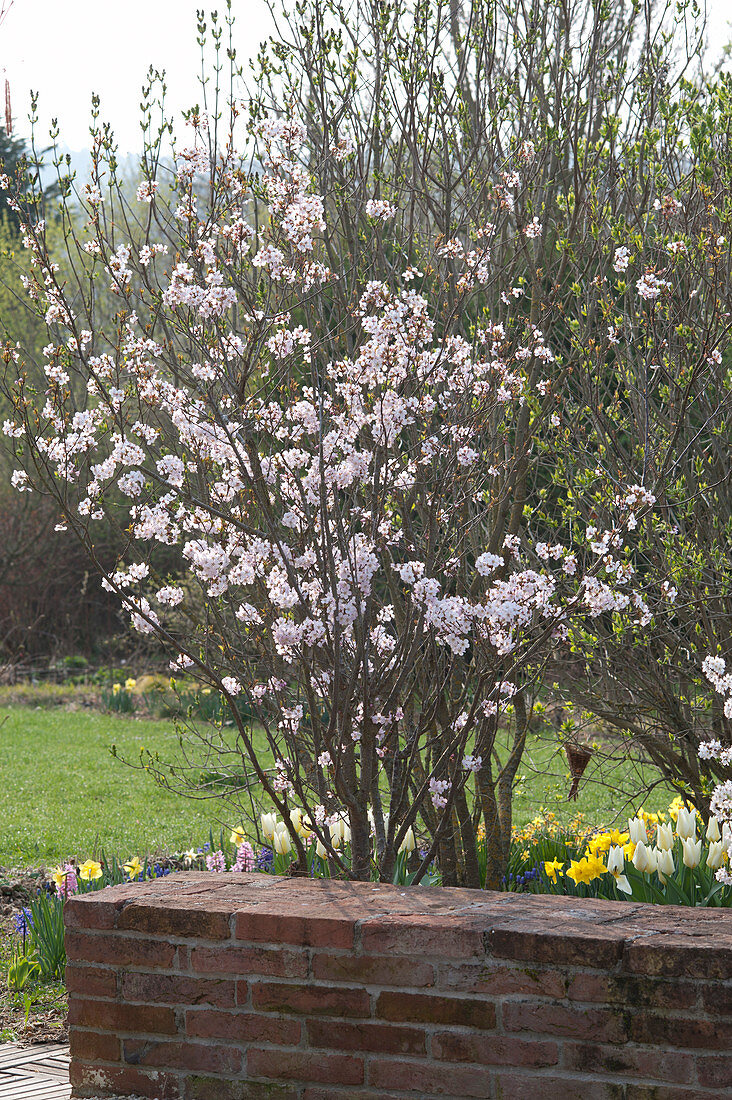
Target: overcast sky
[{"x": 67, "y": 49}]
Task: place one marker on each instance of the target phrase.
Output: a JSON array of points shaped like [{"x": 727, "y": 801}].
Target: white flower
[
  {"x": 644, "y": 859},
  {"x": 686, "y": 823},
  {"x": 692, "y": 851}
]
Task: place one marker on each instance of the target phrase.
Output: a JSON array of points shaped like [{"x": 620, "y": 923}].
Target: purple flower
[
  {"x": 216, "y": 862},
  {"x": 23, "y": 922},
  {"x": 245, "y": 860}
]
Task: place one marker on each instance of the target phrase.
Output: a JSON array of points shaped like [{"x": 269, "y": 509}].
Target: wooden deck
[{"x": 39, "y": 1072}]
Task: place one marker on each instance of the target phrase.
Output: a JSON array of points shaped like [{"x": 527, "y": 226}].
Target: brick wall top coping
[{"x": 363, "y": 916}]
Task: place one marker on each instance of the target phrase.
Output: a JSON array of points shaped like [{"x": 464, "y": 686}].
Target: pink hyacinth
[
  {"x": 69, "y": 884},
  {"x": 216, "y": 862},
  {"x": 245, "y": 860}
]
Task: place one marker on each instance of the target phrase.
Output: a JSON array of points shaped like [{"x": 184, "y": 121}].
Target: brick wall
[{"x": 231, "y": 987}]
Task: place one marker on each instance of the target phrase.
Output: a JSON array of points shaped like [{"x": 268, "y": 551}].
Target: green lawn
[{"x": 63, "y": 794}]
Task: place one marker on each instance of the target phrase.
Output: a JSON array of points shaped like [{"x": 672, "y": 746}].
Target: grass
[{"x": 63, "y": 794}]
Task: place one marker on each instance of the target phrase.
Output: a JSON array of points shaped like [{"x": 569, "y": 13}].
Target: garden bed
[{"x": 242, "y": 985}]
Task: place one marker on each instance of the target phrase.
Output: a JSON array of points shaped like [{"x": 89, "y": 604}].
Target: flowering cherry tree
[{"x": 338, "y": 487}]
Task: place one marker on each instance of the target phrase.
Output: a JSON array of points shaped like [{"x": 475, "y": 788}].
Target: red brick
[
  {"x": 94, "y": 1046},
  {"x": 373, "y": 970},
  {"x": 242, "y": 1027},
  {"x": 109, "y": 1016},
  {"x": 717, "y": 998},
  {"x": 88, "y": 1080},
  {"x": 97, "y": 909},
  {"x": 91, "y": 981},
  {"x": 380, "y": 1038},
  {"x": 306, "y": 999},
  {"x": 315, "y": 1092},
  {"x": 216, "y": 1088},
  {"x": 270, "y": 962},
  {"x": 305, "y": 1065},
  {"x": 496, "y": 979},
  {"x": 174, "y": 1056},
  {"x": 119, "y": 950},
  {"x": 493, "y": 1050},
  {"x": 678, "y": 957},
  {"x": 629, "y": 1061},
  {"x": 429, "y": 1078},
  {"x": 715, "y": 1071},
  {"x": 433, "y": 936},
  {"x": 197, "y": 917},
  {"x": 568, "y": 944},
  {"x": 178, "y": 989},
  {"x": 424, "y": 1008},
  {"x": 667, "y": 1092},
  {"x": 680, "y": 1031},
  {"x": 518, "y": 1086},
  {"x": 561, "y": 1021},
  {"x": 295, "y": 929},
  {"x": 632, "y": 989}
]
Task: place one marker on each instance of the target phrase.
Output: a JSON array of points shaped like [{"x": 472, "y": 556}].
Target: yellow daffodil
[
  {"x": 238, "y": 835},
  {"x": 134, "y": 868},
  {"x": 580, "y": 871},
  {"x": 90, "y": 871},
  {"x": 595, "y": 866},
  {"x": 116, "y": 689},
  {"x": 551, "y": 866},
  {"x": 130, "y": 684}
]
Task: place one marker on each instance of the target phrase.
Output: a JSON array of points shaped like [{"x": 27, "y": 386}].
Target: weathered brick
[
  {"x": 424, "y": 1008},
  {"x": 430, "y": 1078},
  {"x": 496, "y": 979},
  {"x": 194, "y": 918},
  {"x": 111, "y": 1016},
  {"x": 519, "y": 1086},
  {"x": 631, "y": 989},
  {"x": 630, "y": 1061},
  {"x": 567, "y": 944},
  {"x": 677, "y": 957},
  {"x": 216, "y": 1088},
  {"x": 305, "y": 1065},
  {"x": 92, "y": 1080},
  {"x": 243, "y": 1027},
  {"x": 296, "y": 929},
  {"x": 680, "y": 1031},
  {"x": 94, "y": 1046},
  {"x": 269, "y": 962},
  {"x": 91, "y": 981},
  {"x": 715, "y": 1071},
  {"x": 301, "y": 999},
  {"x": 119, "y": 950},
  {"x": 717, "y": 998},
  {"x": 493, "y": 1050},
  {"x": 668, "y": 1092},
  {"x": 178, "y": 989},
  {"x": 380, "y": 1038},
  {"x": 195, "y": 1056},
  {"x": 373, "y": 970},
  {"x": 562, "y": 1021},
  {"x": 435, "y": 936}
]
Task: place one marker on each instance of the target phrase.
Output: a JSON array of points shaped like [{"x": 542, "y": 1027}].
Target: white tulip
[
  {"x": 692, "y": 851},
  {"x": 713, "y": 833},
  {"x": 715, "y": 855},
  {"x": 686, "y": 824},
  {"x": 320, "y": 850},
  {"x": 637, "y": 830},
  {"x": 664, "y": 837},
  {"x": 269, "y": 824},
  {"x": 409, "y": 843},
  {"x": 281, "y": 840},
  {"x": 643, "y": 858},
  {"x": 616, "y": 860},
  {"x": 666, "y": 865}
]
